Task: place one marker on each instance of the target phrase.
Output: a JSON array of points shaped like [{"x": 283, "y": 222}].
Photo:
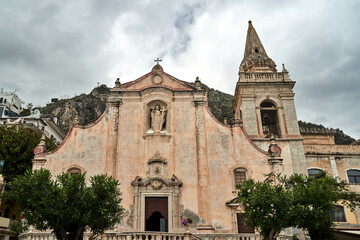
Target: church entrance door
[
  {"x": 156, "y": 214},
  {"x": 242, "y": 227}
]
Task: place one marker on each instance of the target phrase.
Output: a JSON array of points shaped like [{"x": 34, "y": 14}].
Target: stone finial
[
  {"x": 117, "y": 84},
  {"x": 284, "y": 70},
  {"x": 238, "y": 118},
  {"x": 76, "y": 120},
  {"x": 40, "y": 148},
  {"x": 157, "y": 68},
  {"x": 225, "y": 120},
  {"x": 198, "y": 83},
  {"x": 250, "y": 24}
]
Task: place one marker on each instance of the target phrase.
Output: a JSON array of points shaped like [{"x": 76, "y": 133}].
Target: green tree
[
  {"x": 67, "y": 205},
  {"x": 314, "y": 198},
  {"x": 298, "y": 200},
  {"x": 267, "y": 205},
  {"x": 16, "y": 148}
]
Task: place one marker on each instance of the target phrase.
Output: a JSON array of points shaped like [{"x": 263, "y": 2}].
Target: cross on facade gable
[{"x": 158, "y": 60}]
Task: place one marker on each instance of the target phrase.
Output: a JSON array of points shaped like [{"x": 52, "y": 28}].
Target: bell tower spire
[{"x": 255, "y": 57}]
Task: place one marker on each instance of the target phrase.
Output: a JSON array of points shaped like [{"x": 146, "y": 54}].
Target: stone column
[
  {"x": 176, "y": 207},
  {"x": 203, "y": 188},
  {"x": 275, "y": 159},
  {"x": 276, "y": 165},
  {"x": 259, "y": 122},
  {"x": 280, "y": 115}
]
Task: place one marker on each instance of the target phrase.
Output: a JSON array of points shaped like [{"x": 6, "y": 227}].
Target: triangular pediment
[{"x": 157, "y": 79}]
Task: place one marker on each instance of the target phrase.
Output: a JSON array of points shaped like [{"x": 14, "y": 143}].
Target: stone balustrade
[
  {"x": 264, "y": 76},
  {"x": 152, "y": 236},
  {"x": 331, "y": 149},
  {"x": 226, "y": 236}
]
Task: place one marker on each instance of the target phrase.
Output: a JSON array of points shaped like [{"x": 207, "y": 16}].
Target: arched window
[
  {"x": 73, "y": 171},
  {"x": 312, "y": 172},
  {"x": 240, "y": 175},
  {"x": 269, "y": 119},
  {"x": 353, "y": 176},
  {"x": 338, "y": 214}
]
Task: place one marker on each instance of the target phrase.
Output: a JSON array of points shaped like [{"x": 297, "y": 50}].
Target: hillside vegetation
[{"x": 89, "y": 107}]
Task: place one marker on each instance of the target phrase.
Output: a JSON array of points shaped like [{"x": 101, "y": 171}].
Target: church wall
[
  {"x": 249, "y": 116},
  {"x": 229, "y": 149},
  {"x": 336, "y": 160},
  {"x": 285, "y": 153},
  {"x": 177, "y": 146},
  {"x": 290, "y": 117},
  {"x": 297, "y": 156},
  {"x": 78, "y": 151}
]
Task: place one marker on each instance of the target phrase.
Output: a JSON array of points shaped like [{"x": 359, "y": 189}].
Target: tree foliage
[
  {"x": 298, "y": 200},
  {"x": 314, "y": 198},
  {"x": 267, "y": 206},
  {"x": 16, "y": 148},
  {"x": 67, "y": 205}
]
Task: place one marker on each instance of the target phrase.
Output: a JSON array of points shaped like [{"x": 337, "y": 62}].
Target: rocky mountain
[{"x": 89, "y": 107}]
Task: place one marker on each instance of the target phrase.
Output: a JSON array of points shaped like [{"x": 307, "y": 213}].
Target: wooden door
[
  {"x": 156, "y": 214},
  {"x": 242, "y": 227}
]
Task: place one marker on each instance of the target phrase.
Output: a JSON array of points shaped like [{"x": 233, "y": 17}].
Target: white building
[{"x": 10, "y": 109}]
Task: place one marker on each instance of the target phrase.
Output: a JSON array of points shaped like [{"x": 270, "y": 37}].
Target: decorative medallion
[
  {"x": 157, "y": 79},
  {"x": 275, "y": 150},
  {"x": 156, "y": 184}
]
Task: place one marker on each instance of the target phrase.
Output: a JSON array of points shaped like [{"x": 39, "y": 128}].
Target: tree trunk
[
  {"x": 60, "y": 234},
  {"x": 76, "y": 234},
  {"x": 270, "y": 235}
]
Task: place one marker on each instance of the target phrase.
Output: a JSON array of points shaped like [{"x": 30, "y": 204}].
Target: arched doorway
[{"x": 156, "y": 214}]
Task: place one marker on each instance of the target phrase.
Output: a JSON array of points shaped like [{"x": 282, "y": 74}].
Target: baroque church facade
[{"x": 173, "y": 159}]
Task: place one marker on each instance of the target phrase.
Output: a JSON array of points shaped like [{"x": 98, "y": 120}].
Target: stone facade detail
[{"x": 158, "y": 138}]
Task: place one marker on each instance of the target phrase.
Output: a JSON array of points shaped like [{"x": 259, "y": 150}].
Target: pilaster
[{"x": 203, "y": 189}]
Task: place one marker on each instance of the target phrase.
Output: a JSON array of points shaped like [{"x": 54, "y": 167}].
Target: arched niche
[{"x": 157, "y": 117}]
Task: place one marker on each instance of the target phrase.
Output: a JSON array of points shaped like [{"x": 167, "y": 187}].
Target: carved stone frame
[{"x": 149, "y": 187}]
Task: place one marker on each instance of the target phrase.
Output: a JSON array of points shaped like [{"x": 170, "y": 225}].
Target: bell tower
[
  {"x": 264, "y": 100},
  {"x": 264, "y": 97}
]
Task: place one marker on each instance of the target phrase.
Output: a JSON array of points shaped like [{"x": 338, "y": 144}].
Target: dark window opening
[
  {"x": 313, "y": 172},
  {"x": 353, "y": 176},
  {"x": 73, "y": 171},
  {"x": 256, "y": 50},
  {"x": 338, "y": 214},
  {"x": 240, "y": 175},
  {"x": 1, "y": 100},
  {"x": 269, "y": 119}
]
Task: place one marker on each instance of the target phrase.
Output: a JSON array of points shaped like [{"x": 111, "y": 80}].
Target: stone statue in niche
[{"x": 158, "y": 118}]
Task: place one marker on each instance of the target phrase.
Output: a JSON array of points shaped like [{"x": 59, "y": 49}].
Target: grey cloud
[{"x": 57, "y": 48}]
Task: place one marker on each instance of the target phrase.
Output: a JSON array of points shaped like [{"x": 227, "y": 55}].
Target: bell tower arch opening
[{"x": 269, "y": 119}]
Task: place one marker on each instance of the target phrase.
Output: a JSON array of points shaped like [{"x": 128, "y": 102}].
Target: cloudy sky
[{"x": 62, "y": 48}]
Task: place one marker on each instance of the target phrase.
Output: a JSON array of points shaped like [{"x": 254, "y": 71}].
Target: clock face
[{"x": 275, "y": 150}]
